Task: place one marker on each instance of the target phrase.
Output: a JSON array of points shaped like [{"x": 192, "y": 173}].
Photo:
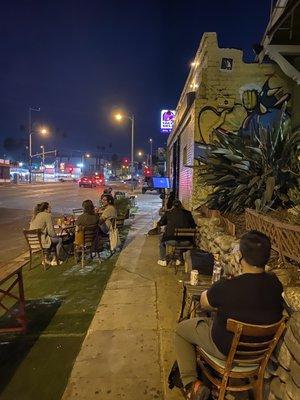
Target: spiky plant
[{"x": 255, "y": 173}]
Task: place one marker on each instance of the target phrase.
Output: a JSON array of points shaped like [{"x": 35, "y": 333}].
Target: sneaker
[
  {"x": 54, "y": 262},
  {"x": 163, "y": 263},
  {"x": 178, "y": 262},
  {"x": 197, "y": 391}
]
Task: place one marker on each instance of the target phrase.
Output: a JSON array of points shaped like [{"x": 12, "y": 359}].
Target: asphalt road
[{"x": 18, "y": 201}]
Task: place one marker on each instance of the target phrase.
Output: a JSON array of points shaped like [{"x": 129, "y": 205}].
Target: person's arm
[
  {"x": 49, "y": 226},
  {"x": 204, "y": 303},
  {"x": 211, "y": 299}
]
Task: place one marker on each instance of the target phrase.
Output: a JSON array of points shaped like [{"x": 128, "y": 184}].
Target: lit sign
[{"x": 166, "y": 120}]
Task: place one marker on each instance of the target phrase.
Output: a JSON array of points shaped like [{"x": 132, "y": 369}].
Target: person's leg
[
  {"x": 162, "y": 250},
  {"x": 56, "y": 243},
  {"x": 189, "y": 333}
]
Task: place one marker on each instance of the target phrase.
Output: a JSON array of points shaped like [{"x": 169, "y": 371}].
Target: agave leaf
[
  {"x": 270, "y": 185},
  {"x": 221, "y": 151},
  {"x": 225, "y": 178},
  {"x": 254, "y": 181},
  {"x": 233, "y": 157},
  {"x": 241, "y": 166},
  {"x": 239, "y": 189},
  {"x": 256, "y": 150},
  {"x": 257, "y": 204}
]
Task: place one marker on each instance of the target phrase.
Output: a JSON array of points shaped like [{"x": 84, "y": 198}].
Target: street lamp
[
  {"x": 151, "y": 143},
  {"x": 119, "y": 118},
  {"x": 42, "y": 131},
  {"x": 140, "y": 153}
]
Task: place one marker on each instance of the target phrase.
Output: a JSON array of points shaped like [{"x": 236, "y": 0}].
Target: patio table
[
  {"x": 191, "y": 295},
  {"x": 13, "y": 270}
]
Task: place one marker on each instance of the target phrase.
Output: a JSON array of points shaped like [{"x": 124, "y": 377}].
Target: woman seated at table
[
  {"x": 89, "y": 217},
  {"x": 42, "y": 220},
  {"x": 109, "y": 212}
]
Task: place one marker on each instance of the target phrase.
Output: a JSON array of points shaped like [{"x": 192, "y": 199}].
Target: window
[{"x": 226, "y": 64}]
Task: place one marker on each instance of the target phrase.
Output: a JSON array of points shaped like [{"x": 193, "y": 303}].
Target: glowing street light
[
  {"x": 88, "y": 155},
  {"x": 140, "y": 153},
  {"x": 42, "y": 131},
  {"x": 120, "y": 117}
]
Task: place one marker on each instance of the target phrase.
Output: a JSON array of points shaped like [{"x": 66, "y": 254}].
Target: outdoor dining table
[{"x": 191, "y": 295}]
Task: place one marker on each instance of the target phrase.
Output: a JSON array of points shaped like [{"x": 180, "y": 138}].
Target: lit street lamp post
[
  {"x": 150, "y": 158},
  {"x": 119, "y": 117},
  {"x": 37, "y": 109}
]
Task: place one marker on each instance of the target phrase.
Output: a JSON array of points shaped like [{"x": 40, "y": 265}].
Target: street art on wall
[{"x": 258, "y": 106}]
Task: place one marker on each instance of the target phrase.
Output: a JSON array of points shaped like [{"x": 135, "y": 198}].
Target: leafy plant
[
  {"x": 122, "y": 206},
  {"x": 256, "y": 172}
]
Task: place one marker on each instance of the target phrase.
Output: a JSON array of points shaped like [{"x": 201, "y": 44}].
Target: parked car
[
  {"x": 87, "y": 181},
  {"x": 128, "y": 182},
  {"x": 99, "y": 179}
]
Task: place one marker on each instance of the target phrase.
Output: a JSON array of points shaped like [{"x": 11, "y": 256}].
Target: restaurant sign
[{"x": 166, "y": 120}]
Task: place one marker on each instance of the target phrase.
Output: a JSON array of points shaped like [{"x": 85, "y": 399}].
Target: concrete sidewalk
[{"x": 128, "y": 350}]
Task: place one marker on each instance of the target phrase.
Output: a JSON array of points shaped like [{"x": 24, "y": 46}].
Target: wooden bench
[{"x": 13, "y": 270}]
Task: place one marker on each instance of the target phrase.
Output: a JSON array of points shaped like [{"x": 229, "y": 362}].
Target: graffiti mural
[{"x": 258, "y": 106}]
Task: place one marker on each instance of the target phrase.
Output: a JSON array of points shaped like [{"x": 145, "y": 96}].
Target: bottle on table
[{"x": 217, "y": 271}]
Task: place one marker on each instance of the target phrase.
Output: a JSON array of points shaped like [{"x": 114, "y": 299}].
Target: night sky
[{"x": 78, "y": 60}]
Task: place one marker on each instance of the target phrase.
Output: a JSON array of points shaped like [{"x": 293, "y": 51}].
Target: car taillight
[{"x": 100, "y": 180}]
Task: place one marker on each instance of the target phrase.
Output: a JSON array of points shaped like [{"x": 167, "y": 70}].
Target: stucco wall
[{"x": 229, "y": 100}]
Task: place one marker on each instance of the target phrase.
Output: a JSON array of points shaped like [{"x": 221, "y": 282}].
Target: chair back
[
  {"x": 33, "y": 239},
  {"x": 246, "y": 348},
  {"x": 77, "y": 212},
  {"x": 89, "y": 235},
  {"x": 188, "y": 233}
]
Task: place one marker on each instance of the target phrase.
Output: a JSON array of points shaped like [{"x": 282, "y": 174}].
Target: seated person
[
  {"x": 177, "y": 217},
  {"x": 42, "y": 220},
  {"x": 107, "y": 191},
  {"x": 170, "y": 199},
  {"x": 89, "y": 217},
  {"x": 253, "y": 297},
  {"x": 109, "y": 212}
]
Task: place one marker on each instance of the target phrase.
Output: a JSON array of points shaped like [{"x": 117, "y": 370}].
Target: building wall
[
  {"x": 235, "y": 99},
  {"x": 230, "y": 96},
  {"x": 187, "y": 159}
]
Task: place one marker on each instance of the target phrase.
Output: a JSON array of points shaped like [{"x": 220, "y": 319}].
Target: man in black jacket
[{"x": 177, "y": 217}]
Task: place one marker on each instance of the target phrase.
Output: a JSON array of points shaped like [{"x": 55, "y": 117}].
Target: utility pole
[
  {"x": 150, "y": 158},
  {"x": 37, "y": 109}
]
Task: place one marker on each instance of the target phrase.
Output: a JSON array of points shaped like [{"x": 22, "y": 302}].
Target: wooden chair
[
  {"x": 246, "y": 360},
  {"x": 33, "y": 239},
  {"x": 175, "y": 248},
  {"x": 77, "y": 212},
  {"x": 89, "y": 242}
]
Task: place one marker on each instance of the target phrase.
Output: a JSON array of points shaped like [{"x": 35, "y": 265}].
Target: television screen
[{"x": 161, "y": 183}]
